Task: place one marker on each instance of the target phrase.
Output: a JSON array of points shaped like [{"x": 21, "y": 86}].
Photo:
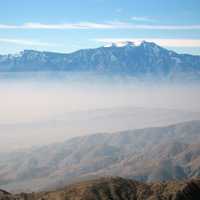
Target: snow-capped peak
[
  {"x": 125, "y": 43},
  {"x": 122, "y": 44}
]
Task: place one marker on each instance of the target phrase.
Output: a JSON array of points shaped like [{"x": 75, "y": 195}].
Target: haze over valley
[{"x": 38, "y": 110}]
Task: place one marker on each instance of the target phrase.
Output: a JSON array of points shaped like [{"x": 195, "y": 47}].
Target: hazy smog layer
[{"x": 36, "y": 110}]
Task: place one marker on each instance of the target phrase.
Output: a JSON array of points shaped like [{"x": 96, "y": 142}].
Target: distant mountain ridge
[{"x": 145, "y": 59}]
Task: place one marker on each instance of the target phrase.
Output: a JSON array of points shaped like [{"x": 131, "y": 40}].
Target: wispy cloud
[
  {"x": 143, "y": 19},
  {"x": 25, "y": 42},
  {"x": 82, "y": 25},
  {"x": 159, "y": 41},
  {"x": 93, "y": 25}
]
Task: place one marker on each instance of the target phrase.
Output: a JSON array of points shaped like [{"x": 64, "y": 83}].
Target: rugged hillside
[
  {"x": 150, "y": 154},
  {"x": 145, "y": 59},
  {"x": 116, "y": 189}
]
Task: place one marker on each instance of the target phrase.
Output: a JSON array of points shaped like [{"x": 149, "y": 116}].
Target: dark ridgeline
[
  {"x": 190, "y": 192},
  {"x": 110, "y": 188}
]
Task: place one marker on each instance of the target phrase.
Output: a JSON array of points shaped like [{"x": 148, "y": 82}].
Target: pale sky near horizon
[{"x": 66, "y": 26}]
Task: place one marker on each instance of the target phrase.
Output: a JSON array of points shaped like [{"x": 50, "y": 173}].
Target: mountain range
[
  {"x": 137, "y": 60},
  {"x": 149, "y": 154}
]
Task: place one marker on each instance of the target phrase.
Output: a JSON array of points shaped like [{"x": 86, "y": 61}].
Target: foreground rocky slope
[{"x": 116, "y": 189}]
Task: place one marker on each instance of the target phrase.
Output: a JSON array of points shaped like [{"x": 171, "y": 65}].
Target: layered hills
[{"x": 149, "y": 154}]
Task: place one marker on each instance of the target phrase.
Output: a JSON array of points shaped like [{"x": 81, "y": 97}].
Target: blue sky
[{"x": 65, "y": 25}]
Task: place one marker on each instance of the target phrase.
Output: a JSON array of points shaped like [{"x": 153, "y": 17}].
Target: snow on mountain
[{"x": 135, "y": 59}]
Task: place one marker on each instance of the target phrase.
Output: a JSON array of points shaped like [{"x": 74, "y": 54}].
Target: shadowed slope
[{"x": 110, "y": 188}]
